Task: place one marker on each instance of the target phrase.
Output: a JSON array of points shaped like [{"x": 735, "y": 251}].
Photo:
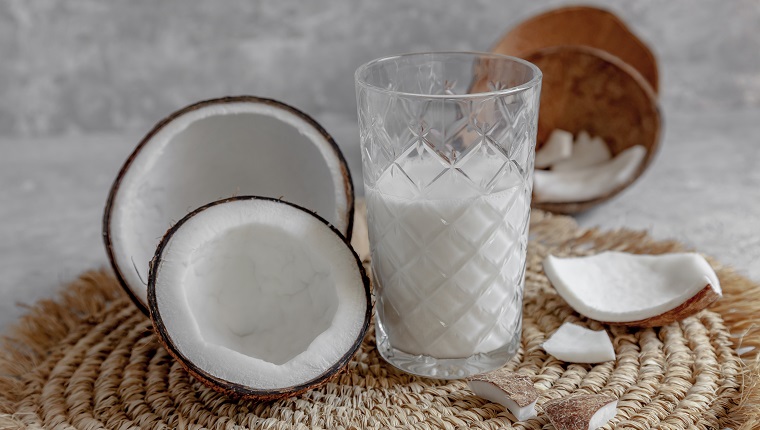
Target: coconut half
[
  {"x": 636, "y": 290},
  {"x": 212, "y": 150},
  {"x": 258, "y": 298}
]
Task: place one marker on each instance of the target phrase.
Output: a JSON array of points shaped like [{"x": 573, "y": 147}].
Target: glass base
[{"x": 445, "y": 368}]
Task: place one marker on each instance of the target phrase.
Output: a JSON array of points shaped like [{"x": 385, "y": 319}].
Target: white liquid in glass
[{"x": 448, "y": 258}]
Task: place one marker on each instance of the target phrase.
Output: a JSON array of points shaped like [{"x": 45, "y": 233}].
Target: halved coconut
[
  {"x": 212, "y": 150},
  {"x": 258, "y": 298},
  {"x": 635, "y": 290}
]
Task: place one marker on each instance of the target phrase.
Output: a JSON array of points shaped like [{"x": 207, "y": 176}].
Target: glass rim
[{"x": 535, "y": 80}]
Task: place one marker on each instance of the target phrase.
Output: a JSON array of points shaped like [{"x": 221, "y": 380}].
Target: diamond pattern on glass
[{"x": 448, "y": 184}]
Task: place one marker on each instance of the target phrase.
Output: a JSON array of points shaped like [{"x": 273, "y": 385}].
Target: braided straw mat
[{"x": 89, "y": 360}]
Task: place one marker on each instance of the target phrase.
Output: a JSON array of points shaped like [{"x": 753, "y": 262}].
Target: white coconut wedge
[
  {"x": 635, "y": 290},
  {"x": 258, "y": 298},
  {"x": 587, "y": 152},
  {"x": 515, "y": 392},
  {"x": 581, "y": 412},
  {"x": 590, "y": 182},
  {"x": 558, "y": 147},
  {"x": 212, "y": 150},
  {"x": 575, "y": 344}
]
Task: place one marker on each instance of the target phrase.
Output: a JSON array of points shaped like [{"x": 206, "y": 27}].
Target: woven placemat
[{"x": 89, "y": 360}]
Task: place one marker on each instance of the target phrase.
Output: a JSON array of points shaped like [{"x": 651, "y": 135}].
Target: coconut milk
[{"x": 449, "y": 258}]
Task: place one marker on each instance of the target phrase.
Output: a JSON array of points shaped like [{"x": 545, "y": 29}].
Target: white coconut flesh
[
  {"x": 218, "y": 151},
  {"x": 589, "y": 182},
  {"x": 576, "y": 344},
  {"x": 603, "y": 415},
  {"x": 259, "y": 293},
  {"x": 623, "y": 287}
]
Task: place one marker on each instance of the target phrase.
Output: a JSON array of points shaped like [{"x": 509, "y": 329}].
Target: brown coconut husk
[
  {"x": 581, "y": 26},
  {"x": 585, "y": 89}
]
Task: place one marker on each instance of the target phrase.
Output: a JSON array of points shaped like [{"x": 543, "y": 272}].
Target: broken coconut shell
[
  {"x": 586, "y": 89},
  {"x": 580, "y": 26},
  {"x": 214, "y": 149},
  {"x": 580, "y": 412},
  {"x": 258, "y": 298}
]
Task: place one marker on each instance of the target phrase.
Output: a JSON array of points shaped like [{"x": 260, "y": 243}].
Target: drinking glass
[{"x": 448, "y": 142}]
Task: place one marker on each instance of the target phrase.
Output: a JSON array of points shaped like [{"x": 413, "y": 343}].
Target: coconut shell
[
  {"x": 704, "y": 298},
  {"x": 588, "y": 89},
  {"x": 575, "y": 412},
  {"x": 230, "y": 388},
  {"x": 581, "y": 26}
]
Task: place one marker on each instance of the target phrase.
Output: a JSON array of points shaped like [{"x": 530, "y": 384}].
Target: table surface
[{"x": 703, "y": 190}]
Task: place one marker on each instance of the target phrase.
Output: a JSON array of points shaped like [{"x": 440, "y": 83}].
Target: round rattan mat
[{"x": 89, "y": 360}]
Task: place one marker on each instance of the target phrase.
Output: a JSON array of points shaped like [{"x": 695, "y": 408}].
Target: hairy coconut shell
[{"x": 581, "y": 26}]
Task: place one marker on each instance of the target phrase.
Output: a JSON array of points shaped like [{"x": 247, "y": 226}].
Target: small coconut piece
[
  {"x": 511, "y": 390},
  {"x": 588, "y": 183},
  {"x": 575, "y": 344},
  {"x": 360, "y": 236},
  {"x": 558, "y": 147},
  {"x": 587, "y": 152},
  {"x": 258, "y": 298},
  {"x": 743, "y": 350},
  {"x": 581, "y": 412},
  {"x": 635, "y": 290}
]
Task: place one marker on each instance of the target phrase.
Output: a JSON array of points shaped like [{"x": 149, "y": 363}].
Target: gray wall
[{"x": 83, "y": 66}]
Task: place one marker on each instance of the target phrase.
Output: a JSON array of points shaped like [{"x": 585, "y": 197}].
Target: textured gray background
[{"x": 82, "y": 80}]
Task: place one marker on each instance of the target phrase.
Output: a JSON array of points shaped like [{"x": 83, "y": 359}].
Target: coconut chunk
[
  {"x": 581, "y": 412},
  {"x": 360, "y": 236},
  {"x": 587, "y": 152},
  {"x": 559, "y": 146},
  {"x": 511, "y": 390},
  {"x": 590, "y": 182},
  {"x": 575, "y": 344},
  {"x": 637, "y": 290}
]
